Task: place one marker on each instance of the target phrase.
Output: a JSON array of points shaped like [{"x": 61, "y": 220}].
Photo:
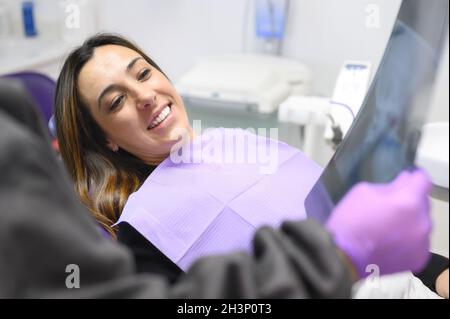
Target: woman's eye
[
  {"x": 144, "y": 75},
  {"x": 117, "y": 102}
]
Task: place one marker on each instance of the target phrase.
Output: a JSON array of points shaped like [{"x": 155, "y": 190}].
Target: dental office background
[{"x": 317, "y": 36}]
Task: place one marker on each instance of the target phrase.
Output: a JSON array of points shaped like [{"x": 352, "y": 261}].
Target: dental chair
[
  {"x": 20, "y": 106},
  {"x": 41, "y": 89}
]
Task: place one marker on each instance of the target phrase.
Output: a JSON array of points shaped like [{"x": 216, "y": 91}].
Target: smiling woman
[
  {"x": 132, "y": 101},
  {"x": 115, "y": 116}
]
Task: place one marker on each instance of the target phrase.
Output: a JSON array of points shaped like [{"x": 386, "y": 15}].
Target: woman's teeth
[{"x": 161, "y": 117}]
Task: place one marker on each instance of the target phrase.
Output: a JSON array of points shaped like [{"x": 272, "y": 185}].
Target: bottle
[
  {"x": 28, "y": 19},
  {"x": 5, "y": 27}
]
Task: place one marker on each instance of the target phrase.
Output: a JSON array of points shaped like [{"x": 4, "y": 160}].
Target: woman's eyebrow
[
  {"x": 132, "y": 63},
  {"x": 109, "y": 88},
  {"x": 113, "y": 87}
]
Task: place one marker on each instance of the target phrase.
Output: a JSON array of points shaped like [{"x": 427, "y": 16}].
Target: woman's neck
[{"x": 187, "y": 138}]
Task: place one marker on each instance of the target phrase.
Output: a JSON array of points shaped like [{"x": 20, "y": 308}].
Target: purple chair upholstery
[{"x": 41, "y": 88}]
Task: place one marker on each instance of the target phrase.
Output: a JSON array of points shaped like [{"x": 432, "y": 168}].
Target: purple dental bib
[{"x": 211, "y": 195}]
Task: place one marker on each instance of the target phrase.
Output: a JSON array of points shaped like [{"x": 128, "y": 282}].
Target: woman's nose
[{"x": 146, "y": 100}]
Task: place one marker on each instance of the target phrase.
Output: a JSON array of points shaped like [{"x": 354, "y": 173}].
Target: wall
[
  {"x": 321, "y": 33},
  {"x": 176, "y": 32},
  {"x": 324, "y": 33}
]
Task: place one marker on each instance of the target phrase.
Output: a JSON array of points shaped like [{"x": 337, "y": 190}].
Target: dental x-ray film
[{"x": 383, "y": 138}]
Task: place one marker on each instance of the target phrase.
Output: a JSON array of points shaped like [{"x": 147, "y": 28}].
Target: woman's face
[{"x": 135, "y": 104}]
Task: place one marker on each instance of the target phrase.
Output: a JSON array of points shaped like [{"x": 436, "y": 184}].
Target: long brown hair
[{"x": 103, "y": 179}]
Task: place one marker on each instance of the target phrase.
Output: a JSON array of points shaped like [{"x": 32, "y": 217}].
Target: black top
[
  {"x": 434, "y": 268},
  {"x": 150, "y": 259}
]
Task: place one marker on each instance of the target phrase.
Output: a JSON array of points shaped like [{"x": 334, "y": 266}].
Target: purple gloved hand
[{"x": 387, "y": 225}]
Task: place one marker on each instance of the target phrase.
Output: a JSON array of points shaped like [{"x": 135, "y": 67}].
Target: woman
[
  {"x": 110, "y": 153},
  {"x": 116, "y": 116},
  {"x": 107, "y": 152}
]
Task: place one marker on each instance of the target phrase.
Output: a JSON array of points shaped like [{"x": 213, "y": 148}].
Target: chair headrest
[{"x": 17, "y": 103}]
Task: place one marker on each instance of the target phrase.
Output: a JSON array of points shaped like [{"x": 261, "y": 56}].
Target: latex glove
[{"x": 387, "y": 225}]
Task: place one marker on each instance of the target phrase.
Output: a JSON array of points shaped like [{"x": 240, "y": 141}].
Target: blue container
[
  {"x": 28, "y": 19},
  {"x": 270, "y": 18}
]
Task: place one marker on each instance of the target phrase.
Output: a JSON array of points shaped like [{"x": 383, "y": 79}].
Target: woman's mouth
[{"x": 162, "y": 116}]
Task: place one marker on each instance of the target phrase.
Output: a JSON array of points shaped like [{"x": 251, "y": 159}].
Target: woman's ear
[{"x": 112, "y": 146}]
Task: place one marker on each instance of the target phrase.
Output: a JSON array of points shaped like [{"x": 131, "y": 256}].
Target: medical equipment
[
  {"x": 348, "y": 96},
  {"x": 270, "y": 21},
  {"x": 270, "y": 18},
  {"x": 310, "y": 114},
  {"x": 433, "y": 156},
  {"x": 383, "y": 139},
  {"x": 334, "y": 114},
  {"x": 246, "y": 82}
]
